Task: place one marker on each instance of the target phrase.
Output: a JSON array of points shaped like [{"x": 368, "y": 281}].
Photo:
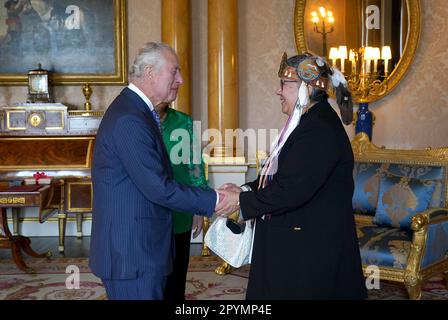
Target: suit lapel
[{"x": 143, "y": 107}]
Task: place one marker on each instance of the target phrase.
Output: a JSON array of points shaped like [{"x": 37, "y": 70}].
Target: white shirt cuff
[{"x": 217, "y": 198}]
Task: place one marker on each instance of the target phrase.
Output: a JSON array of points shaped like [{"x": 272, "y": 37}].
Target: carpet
[{"x": 49, "y": 282}]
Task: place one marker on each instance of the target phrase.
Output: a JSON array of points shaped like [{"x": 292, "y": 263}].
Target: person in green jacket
[{"x": 189, "y": 172}]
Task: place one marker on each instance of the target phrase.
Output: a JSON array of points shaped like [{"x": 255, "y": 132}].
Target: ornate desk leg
[
  {"x": 15, "y": 221},
  {"x": 79, "y": 217},
  {"x": 224, "y": 269},
  {"x": 17, "y": 243},
  {"x": 205, "y": 250},
  {"x": 62, "y": 218}
]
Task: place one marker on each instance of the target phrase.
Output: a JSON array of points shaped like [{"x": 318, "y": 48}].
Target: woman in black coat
[{"x": 305, "y": 243}]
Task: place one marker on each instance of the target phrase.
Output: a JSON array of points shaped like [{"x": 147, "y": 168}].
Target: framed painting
[{"x": 78, "y": 41}]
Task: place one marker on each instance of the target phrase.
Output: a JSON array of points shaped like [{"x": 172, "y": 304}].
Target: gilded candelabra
[{"x": 366, "y": 83}]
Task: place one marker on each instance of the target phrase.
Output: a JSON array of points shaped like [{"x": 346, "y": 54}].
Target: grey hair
[{"x": 151, "y": 54}]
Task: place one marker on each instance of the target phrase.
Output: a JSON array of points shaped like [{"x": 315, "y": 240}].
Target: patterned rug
[{"x": 49, "y": 282}]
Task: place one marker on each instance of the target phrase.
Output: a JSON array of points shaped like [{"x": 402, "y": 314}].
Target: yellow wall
[{"x": 414, "y": 115}]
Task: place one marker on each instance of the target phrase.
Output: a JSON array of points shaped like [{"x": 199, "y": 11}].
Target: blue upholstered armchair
[{"x": 401, "y": 210}]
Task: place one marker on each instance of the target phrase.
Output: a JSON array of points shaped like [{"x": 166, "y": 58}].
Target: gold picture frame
[{"x": 77, "y": 41}]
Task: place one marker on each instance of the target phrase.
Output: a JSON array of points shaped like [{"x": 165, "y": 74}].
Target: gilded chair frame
[{"x": 413, "y": 276}]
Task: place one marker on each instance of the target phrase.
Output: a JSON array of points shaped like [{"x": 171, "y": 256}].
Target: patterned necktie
[{"x": 157, "y": 118}]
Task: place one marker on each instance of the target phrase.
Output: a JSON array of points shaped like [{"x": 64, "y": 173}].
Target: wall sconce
[{"x": 327, "y": 21}]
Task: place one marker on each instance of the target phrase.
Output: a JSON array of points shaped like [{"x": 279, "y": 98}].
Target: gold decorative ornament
[
  {"x": 35, "y": 119},
  {"x": 11, "y": 200},
  {"x": 87, "y": 91}
]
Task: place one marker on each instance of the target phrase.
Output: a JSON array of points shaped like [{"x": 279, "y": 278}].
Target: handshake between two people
[{"x": 229, "y": 199}]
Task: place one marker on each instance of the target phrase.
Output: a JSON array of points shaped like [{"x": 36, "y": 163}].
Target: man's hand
[
  {"x": 229, "y": 202},
  {"x": 198, "y": 221},
  {"x": 230, "y": 187}
]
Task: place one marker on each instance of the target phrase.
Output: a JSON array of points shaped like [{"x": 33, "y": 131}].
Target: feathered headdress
[{"x": 315, "y": 71}]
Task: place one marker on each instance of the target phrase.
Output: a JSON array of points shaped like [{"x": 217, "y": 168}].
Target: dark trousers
[
  {"x": 176, "y": 281},
  {"x": 147, "y": 287}
]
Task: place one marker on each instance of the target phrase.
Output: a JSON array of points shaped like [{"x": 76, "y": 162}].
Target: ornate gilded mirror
[{"x": 372, "y": 41}]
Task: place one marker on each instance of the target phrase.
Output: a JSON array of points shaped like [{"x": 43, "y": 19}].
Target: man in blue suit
[{"x": 132, "y": 244}]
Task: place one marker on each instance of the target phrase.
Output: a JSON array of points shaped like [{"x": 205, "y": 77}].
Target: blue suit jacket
[{"x": 134, "y": 193}]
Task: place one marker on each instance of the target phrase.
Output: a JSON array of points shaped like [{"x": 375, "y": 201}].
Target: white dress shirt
[{"x": 140, "y": 93}]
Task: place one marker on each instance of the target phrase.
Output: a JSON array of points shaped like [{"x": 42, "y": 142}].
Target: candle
[
  {"x": 368, "y": 64},
  {"x": 322, "y": 12},
  {"x": 314, "y": 17},
  {"x": 342, "y": 55},
  {"x": 330, "y": 17},
  {"x": 386, "y": 55},
  {"x": 368, "y": 56},
  {"x": 352, "y": 60},
  {"x": 334, "y": 55},
  {"x": 376, "y": 57}
]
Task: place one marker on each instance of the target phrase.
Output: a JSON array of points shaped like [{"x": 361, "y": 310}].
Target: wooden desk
[
  {"x": 65, "y": 158},
  {"x": 20, "y": 197},
  {"x": 60, "y": 144}
]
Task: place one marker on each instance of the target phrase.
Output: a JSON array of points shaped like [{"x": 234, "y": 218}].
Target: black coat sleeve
[
  {"x": 254, "y": 184},
  {"x": 303, "y": 170}
]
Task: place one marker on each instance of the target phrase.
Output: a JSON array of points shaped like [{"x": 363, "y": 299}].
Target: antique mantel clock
[{"x": 39, "y": 90}]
